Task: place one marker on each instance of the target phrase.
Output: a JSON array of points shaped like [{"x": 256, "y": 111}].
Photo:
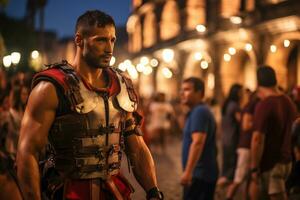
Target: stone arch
[
  {"x": 134, "y": 29},
  {"x": 170, "y": 20},
  {"x": 149, "y": 29},
  {"x": 280, "y": 59},
  {"x": 193, "y": 69},
  {"x": 196, "y": 13},
  {"x": 240, "y": 69}
]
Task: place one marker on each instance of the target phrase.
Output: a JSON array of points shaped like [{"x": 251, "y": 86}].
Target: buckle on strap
[
  {"x": 106, "y": 130},
  {"x": 108, "y": 150},
  {"x": 100, "y": 152},
  {"x": 97, "y": 167}
]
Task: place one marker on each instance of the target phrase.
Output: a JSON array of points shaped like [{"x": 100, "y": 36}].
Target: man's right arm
[{"x": 37, "y": 120}]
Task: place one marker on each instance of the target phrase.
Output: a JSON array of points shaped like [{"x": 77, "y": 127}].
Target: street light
[
  {"x": 167, "y": 72},
  {"x": 204, "y": 64},
  {"x": 140, "y": 67},
  {"x": 286, "y": 43},
  {"x": 144, "y": 60},
  {"x": 148, "y": 70},
  {"x": 35, "y": 54},
  {"x": 122, "y": 67},
  {"x": 231, "y": 50},
  {"x": 248, "y": 47},
  {"x": 7, "y": 61},
  {"x": 273, "y": 48},
  {"x": 200, "y": 28},
  {"x": 15, "y": 57},
  {"x": 154, "y": 62},
  {"x": 168, "y": 55},
  {"x": 198, "y": 56},
  {"x": 235, "y": 19},
  {"x": 227, "y": 57}
]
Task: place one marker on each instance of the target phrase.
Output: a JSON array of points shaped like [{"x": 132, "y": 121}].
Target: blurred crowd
[
  {"x": 14, "y": 92},
  {"x": 165, "y": 119}
]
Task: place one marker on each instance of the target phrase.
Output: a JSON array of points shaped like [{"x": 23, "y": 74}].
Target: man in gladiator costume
[{"x": 84, "y": 112}]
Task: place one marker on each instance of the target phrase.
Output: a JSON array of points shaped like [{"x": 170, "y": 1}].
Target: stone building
[{"x": 220, "y": 41}]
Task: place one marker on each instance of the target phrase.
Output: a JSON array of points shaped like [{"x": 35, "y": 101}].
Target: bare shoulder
[{"x": 44, "y": 96}]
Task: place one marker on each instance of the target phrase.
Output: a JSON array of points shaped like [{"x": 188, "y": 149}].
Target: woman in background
[{"x": 230, "y": 124}]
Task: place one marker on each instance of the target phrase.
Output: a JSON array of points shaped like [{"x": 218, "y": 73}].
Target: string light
[
  {"x": 227, "y": 57},
  {"x": 286, "y": 43},
  {"x": 232, "y": 50},
  {"x": 198, "y": 56},
  {"x": 273, "y": 48},
  {"x": 248, "y": 47},
  {"x": 167, "y": 72},
  {"x": 200, "y": 28},
  {"x": 168, "y": 55}
]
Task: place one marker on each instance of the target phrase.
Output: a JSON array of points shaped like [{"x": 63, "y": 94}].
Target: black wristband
[{"x": 154, "y": 193}]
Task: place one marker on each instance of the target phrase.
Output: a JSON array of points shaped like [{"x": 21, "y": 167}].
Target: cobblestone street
[{"x": 168, "y": 171}]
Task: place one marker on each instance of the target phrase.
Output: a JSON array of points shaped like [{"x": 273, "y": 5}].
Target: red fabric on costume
[
  {"x": 113, "y": 86},
  {"x": 123, "y": 186},
  {"x": 80, "y": 189},
  {"x": 77, "y": 189},
  {"x": 54, "y": 73},
  {"x": 59, "y": 76}
]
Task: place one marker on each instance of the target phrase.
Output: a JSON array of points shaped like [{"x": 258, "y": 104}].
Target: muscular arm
[
  {"x": 142, "y": 162},
  {"x": 195, "y": 151},
  {"x": 37, "y": 120}
]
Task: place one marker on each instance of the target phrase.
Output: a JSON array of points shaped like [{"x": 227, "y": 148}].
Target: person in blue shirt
[{"x": 199, "y": 151}]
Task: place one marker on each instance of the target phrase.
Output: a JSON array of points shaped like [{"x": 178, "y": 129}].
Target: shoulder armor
[
  {"x": 63, "y": 76},
  {"x": 127, "y": 98}
]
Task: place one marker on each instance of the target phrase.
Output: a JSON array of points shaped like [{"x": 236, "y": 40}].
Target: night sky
[{"x": 61, "y": 15}]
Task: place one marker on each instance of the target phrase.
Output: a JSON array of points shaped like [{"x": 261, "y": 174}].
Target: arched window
[
  {"x": 195, "y": 10},
  {"x": 250, "y": 5},
  {"x": 134, "y": 29},
  {"x": 230, "y": 8},
  {"x": 169, "y": 26},
  {"x": 149, "y": 29}
]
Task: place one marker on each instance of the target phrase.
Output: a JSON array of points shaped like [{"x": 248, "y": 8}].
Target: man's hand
[{"x": 186, "y": 179}]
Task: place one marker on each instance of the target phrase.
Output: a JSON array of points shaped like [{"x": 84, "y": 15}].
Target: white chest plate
[{"x": 94, "y": 106}]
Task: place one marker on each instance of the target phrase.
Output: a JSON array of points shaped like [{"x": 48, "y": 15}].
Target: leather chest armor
[{"x": 88, "y": 141}]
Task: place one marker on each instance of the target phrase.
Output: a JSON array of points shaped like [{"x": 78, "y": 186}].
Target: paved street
[{"x": 168, "y": 172}]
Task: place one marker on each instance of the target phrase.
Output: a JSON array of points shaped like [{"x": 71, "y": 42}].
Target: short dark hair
[
  {"x": 197, "y": 83},
  {"x": 266, "y": 76},
  {"x": 94, "y": 18}
]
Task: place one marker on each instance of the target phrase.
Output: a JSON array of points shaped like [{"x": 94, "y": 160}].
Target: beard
[{"x": 95, "y": 62}]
